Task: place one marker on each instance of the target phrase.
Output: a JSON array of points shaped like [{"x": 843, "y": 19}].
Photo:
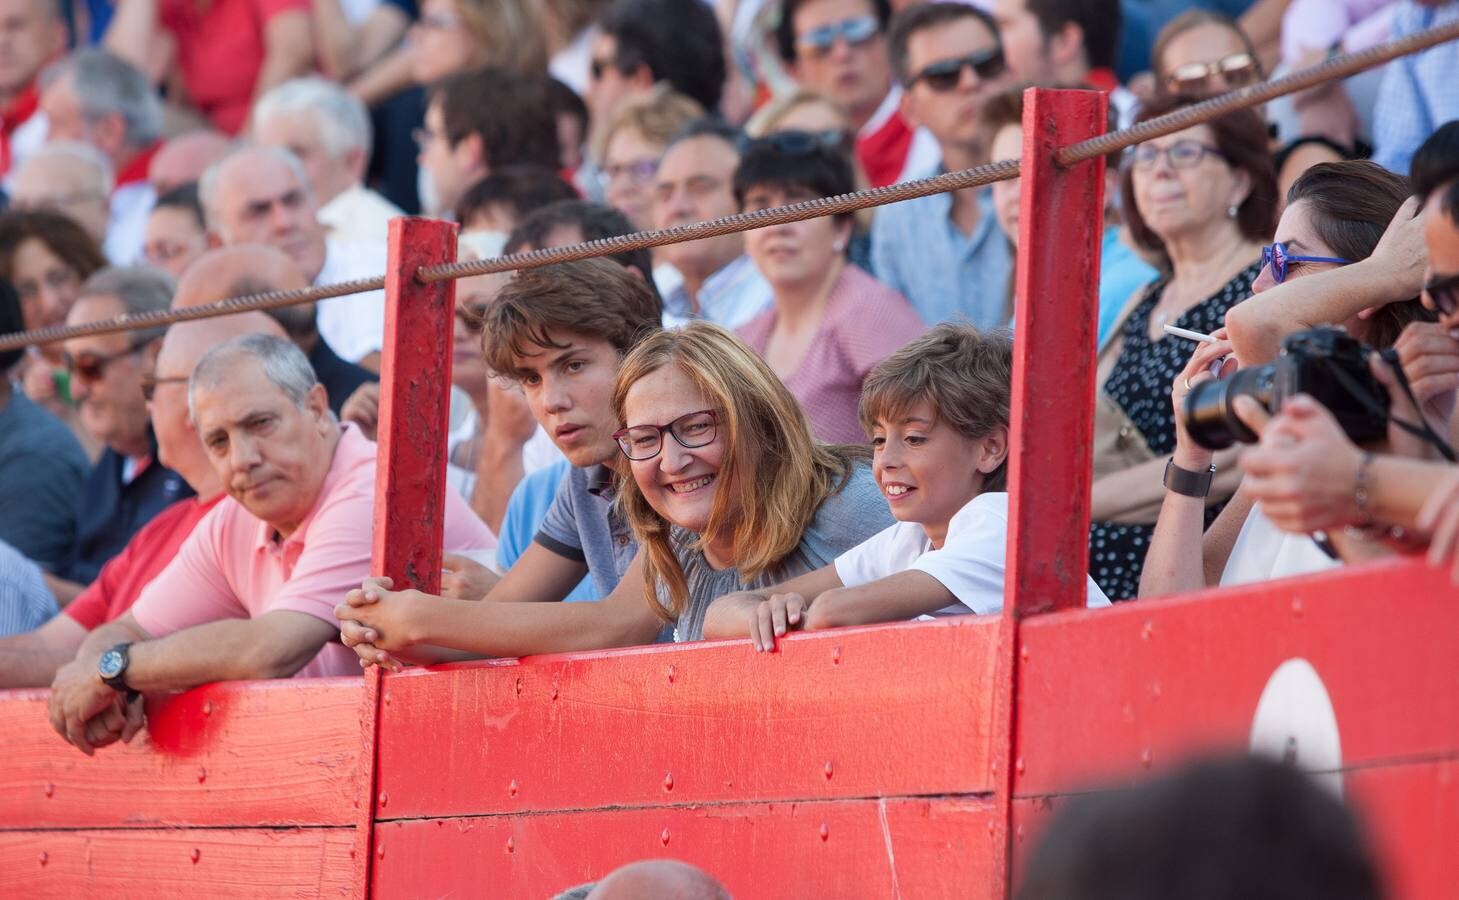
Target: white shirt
[
  {"x": 1263, "y": 551},
  {"x": 126, "y": 229},
  {"x": 358, "y": 215},
  {"x": 353, "y": 325},
  {"x": 970, "y": 563}
]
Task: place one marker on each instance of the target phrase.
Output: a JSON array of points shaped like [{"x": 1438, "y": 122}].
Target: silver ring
[{"x": 1188, "y": 384}]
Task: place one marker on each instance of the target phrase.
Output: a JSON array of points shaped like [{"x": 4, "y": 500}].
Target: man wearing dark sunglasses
[
  {"x": 838, "y": 48},
  {"x": 945, "y": 252}
]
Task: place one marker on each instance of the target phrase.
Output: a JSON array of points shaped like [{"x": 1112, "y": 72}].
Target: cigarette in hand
[{"x": 1189, "y": 335}]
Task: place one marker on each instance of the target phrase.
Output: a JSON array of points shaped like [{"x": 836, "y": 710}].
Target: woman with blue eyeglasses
[{"x": 1204, "y": 199}]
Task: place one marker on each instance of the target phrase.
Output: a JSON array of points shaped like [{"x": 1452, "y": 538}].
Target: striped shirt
[{"x": 25, "y": 602}]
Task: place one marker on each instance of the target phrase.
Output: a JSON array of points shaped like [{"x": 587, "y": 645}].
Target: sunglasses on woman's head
[
  {"x": 1278, "y": 260},
  {"x": 1237, "y": 70},
  {"x": 799, "y": 143},
  {"x": 1443, "y": 290},
  {"x": 944, "y": 75}
]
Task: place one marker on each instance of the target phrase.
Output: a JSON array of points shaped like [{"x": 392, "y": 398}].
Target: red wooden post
[{"x": 1053, "y": 368}]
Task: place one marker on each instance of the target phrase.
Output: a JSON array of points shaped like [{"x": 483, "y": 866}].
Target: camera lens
[{"x": 1208, "y": 414}]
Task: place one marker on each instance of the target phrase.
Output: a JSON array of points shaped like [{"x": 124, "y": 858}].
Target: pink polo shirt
[{"x": 231, "y": 567}]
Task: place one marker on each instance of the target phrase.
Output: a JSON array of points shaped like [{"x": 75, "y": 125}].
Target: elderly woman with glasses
[
  {"x": 1203, "y": 198},
  {"x": 829, "y": 321}
]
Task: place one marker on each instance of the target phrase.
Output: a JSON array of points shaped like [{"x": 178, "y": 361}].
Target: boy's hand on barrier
[
  {"x": 774, "y": 617},
  {"x": 386, "y": 616}
]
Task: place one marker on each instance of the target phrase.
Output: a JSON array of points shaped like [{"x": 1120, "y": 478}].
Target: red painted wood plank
[
  {"x": 923, "y": 848},
  {"x": 415, "y": 404},
  {"x": 262, "y": 753},
  {"x": 870, "y": 712},
  {"x": 182, "y": 863},
  {"x": 1411, "y": 816},
  {"x": 1053, "y": 366},
  {"x": 1108, "y": 692}
]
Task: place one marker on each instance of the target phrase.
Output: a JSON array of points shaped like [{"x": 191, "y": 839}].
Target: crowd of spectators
[{"x": 801, "y": 426}]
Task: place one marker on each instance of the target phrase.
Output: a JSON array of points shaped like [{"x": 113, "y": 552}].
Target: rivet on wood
[
  {"x": 50, "y": 789},
  {"x": 44, "y": 857},
  {"x": 387, "y": 698},
  {"x": 825, "y": 832},
  {"x": 1146, "y": 630},
  {"x": 379, "y": 850},
  {"x": 828, "y": 770},
  {"x": 196, "y": 855},
  {"x": 1146, "y": 757},
  {"x": 511, "y": 845},
  {"x": 1297, "y": 606},
  {"x": 384, "y": 798},
  {"x": 202, "y": 774},
  {"x": 512, "y": 788},
  {"x": 672, "y": 672},
  {"x": 836, "y": 656},
  {"x": 554, "y": 692},
  {"x": 669, "y": 781},
  {"x": 207, "y": 707},
  {"x": 519, "y": 685},
  {"x": 664, "y": 838},
  {"x": 1018, "y": 765},
  {"x": 353, "y": 850}
]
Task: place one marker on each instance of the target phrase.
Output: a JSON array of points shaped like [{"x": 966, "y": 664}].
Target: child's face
[{"x": 926, "y": 470}]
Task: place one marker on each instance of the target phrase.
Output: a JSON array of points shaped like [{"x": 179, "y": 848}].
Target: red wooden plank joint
[{"x": 1053, "y": 368}]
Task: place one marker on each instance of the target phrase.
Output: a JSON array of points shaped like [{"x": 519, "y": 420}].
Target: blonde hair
[
  {"x": 766, "y": 121},
  {"x": 657, "y": 115},
  {"x": 774, "y": 476},
  {"x": 508, "y": 32}
]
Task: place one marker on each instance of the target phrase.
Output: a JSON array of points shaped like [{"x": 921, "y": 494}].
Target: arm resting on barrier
[
  {"x": 31, "y": 659},
  {"x": 767, "y": 614},
  {"x": 274, "y": 645}
]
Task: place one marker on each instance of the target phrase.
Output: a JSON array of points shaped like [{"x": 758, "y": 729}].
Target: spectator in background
[
  {"x": 651, "y": 878},
  {"x": 477, "y": 122},
  {"x": 1064, "y": 42},
  {"x": 829, "y": 321},
  {"x": 1236, "y": 829},
  {"x": 497, "y": 203},
  {"x": 1417, "y": 93},
  {"x": 25, "y": 601},
  {"x": 183, "y": 159},
  {"x": 266, "y": 593},
  {"x": 177, "y": 232},
  {"x": 226, "y": 54},
  {"x": 128, "y": 485},
  {"x": 695, "y": 183},
  {"x": 838, "y": 48},
  {"x": 328, "y": 130},
  {"x": 68, "y": 177},
  {"x": 633, "y": 144},
  {"x": 34, "y": 34},
  {"x": 31, "y": 659},
  {"x": 944, "y": 252},
  {"x": 95, "y": 98},
  {"x": 42, "y": 467},
  {"x": 572, "y": 124},
  {"x": 453, "y": 36},
  {"x": 1205, "y": 198},
  {"x": 261, "y": 195}
]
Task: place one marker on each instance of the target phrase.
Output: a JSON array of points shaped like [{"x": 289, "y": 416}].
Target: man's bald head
[
  {"x": 662, "y": 879},
  {"x": 185, "y": 158},
  {"x": 246, "y": 269},
  {"x": 188, "y": 342}
]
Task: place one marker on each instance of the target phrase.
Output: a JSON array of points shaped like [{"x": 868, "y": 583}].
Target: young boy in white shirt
[{"x": 937, "y": 413}]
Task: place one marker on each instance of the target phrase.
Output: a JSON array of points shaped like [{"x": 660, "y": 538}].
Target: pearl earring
[
  {"x": 838, "y": 245},
  {"x": 1232, "y": 210}
]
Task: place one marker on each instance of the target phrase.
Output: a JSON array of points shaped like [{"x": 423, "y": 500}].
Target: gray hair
[
  {"x": 208, "y": 184},
  {"x": 141, "y": 289},
  {"x": 341, "y": 119},
  {"x": 283, "y": 363},
  {"x": 107, "y": 85}
]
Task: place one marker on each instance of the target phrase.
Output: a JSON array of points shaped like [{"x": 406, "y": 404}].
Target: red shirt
[
  {"x": 883, "y": 152},
  {"x": 12, "y": 117},
  {"x": 146, "y": 554},
  {"x": 220, "y": 50}
]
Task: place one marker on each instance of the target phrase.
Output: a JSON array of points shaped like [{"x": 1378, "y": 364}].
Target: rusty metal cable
[{"x": 1337, "y": 67}]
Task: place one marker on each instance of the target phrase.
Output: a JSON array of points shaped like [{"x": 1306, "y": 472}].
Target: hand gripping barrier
[{"x": 912, "y": 760}]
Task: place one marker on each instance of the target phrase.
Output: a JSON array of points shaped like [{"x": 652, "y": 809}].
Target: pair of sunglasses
[
  {"x": 691, "y": 430},
  {"x": 944, "y": 75},
  {"x": 1443, "y": 290},
  {"x": 1199, "y": 79},
  {"x": 1279, "y": 260},
  {"x": 857, "y": 31},
  {"x": 92, "y": 366},
  {"x": 800, "y": 143}
]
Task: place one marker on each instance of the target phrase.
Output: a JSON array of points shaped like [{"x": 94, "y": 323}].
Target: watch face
[{"x": 111, "y": 664}]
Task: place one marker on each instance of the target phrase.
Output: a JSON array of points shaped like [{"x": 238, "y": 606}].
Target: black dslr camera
[{"x": 1325, "y": 363}]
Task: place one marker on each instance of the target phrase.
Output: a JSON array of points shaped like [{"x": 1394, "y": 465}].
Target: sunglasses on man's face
[
  {"x": 1443, "y": 291},
  {"x": 1199, "y": 79},
  {"x": 944, "y": 75},
  {"x": 856, "y": 32},
  {"x": 92, "y": 366}
]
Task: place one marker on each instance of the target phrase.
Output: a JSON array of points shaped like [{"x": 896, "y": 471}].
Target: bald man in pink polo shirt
[{"x": 251, "y": 593}]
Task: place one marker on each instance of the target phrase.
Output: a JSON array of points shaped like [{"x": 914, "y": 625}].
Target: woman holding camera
[
  {"x": 1332, "y": 263},
  {"x": 1205, "y": 199}
]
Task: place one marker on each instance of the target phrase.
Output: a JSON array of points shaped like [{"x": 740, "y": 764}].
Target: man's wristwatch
[
  {"x": 1188, "y": 483},
  {"x": 112, "y": 667}
]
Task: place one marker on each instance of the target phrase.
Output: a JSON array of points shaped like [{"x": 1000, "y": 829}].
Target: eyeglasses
[
  {"x": 91, "y": 366},
  {"x": 944, "y": 75},
  {"x": 1277, "y": 258},
  {"x": 150, "y": 382},
  {"x": 1194, "y": 79},
  {"x": 1443, "y": 290},
  {"x": 1185, "y": 154},
  {"x": 691, "y": 430},
  {"x": 799, "y": 143},
  {"x": 857, "y": 31},
  {"x": 640, "y": 171}
]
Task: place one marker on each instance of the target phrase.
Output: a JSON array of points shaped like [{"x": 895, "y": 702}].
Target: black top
[
  {"x": 42, "y": 469},
  {"x": 340, "y": 377}
]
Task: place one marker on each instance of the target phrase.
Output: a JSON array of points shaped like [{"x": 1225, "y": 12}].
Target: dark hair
[
  {"x": 522, "y": 188},
  {"x": 61, "y": 235},
  {"x": 596, "y": 221},
  {"x": 920, "y": 18},
  {"x": 11, "y": 320},
  {"x": 511, "y": 111},
  {"x": 1005, "y": 108},
  {"x": 590, "y": 297},
  {"x": 1195, "y": 18},
  {"x": 1236, "y": 829},
  {"x": 709, "y": 126},
  {"x": 1241, "y": 138},
  {"x": 785, "y": 28},
  {"x": 1352, "y": 203},
  {"x": 1436, "y": 162},
  {"x": 566, "y": 100},
  {"x": 679, "y": 42},
  {"x": 794, "y": 159},
  {"x": 1100, "y": 20},
  {"x": 184, "y": 197}
]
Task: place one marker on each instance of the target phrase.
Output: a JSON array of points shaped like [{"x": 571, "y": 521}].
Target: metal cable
[{"x": 1337, "y": 67}]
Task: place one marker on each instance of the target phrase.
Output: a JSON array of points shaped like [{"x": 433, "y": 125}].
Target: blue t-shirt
[
  {"x": 1121, "y": 273},
  {"x": 42, "y": 470},
  {"x": 530, "y": 501}
]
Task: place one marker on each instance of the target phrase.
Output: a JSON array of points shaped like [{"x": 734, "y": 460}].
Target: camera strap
[{"x": 1422, "y": 429}]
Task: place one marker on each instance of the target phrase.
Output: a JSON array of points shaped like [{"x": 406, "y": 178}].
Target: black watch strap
[{"x": 1188, "y": 483}]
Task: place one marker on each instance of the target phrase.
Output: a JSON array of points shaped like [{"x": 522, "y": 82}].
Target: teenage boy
[
  {"x": 937, "y": 413},
  {"x": 560, "y": 332}
]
